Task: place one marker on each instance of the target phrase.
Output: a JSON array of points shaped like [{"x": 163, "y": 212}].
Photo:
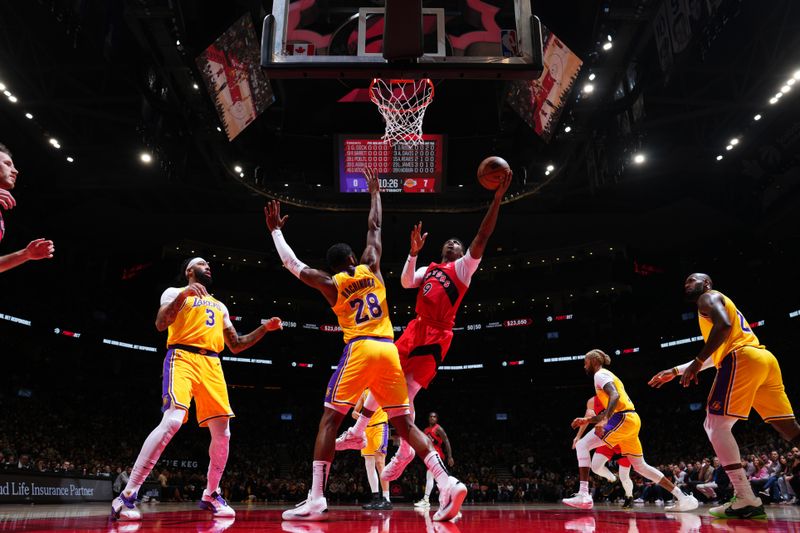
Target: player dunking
[
  {"x": 199, "y": 328},
  {"x": 426, "y": 340},
  {"x": 617, "y": 425},
  {"x": 38, "y": 249},
  {"x": 602, "y": 454},
  {"x": 748, "y": 377},
  {"x": 441, "y": 443},
  {"x": 357, "y": 295}
]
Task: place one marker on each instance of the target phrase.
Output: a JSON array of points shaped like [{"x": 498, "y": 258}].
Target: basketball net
[{"x": 402, "y": 104}]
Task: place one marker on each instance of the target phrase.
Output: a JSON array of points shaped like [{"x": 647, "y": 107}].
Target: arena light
[
  {"x": 146, "y": 158},
  {"x": 2, "y": 86},
  {"x": 785, "y": 89},
  {"x": 13, "y": 99},
  {"x": 729, "y": 147},
  {"x": 588, "y": 88},
  {"x": 796, "y": 75},
  {"x": 219, "y": 129},
  {"x": 719, "y": 158},
  {"x": 53, "y": 141},
  {"x": 567, "y": 129},
  {"x": 28, "y": 116},
  {"x": 773, "y": 100},
  {"x": 794, "y": 314},
  {"x": 6, "y": 92},
  {"x": 70, "y": 159},
  {"x": 639, "y": 159},
  {"x": 592, "y": 76},
  {"x": 791, "y": 81},
  {"x": 607, "y": 46},
  {"x": 550, "y": 168},
  {"x": 757, "y": 117},
  {"x": 195, "y": 87},
  {"x": 178, "y": 42},
  {"x": 237, "y": 169},
  {"x": 734, "y": 141}
]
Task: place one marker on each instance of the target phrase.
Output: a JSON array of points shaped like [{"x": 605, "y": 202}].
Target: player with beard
[
  {"x": 617, "y": 424},
  {"x": 199, "y": 329},
  {"x": 38, "y": 249},
  {"x": 426, "y": 340},
  {"x": 748, "y": 377}
]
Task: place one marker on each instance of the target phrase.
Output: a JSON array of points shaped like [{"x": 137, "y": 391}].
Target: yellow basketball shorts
[
  {"x": 369, "y": 363},
  {"x": 189, "y": 375},
  {"x": 377, "y": 439},
  {"x": 750, "y": 378},
  {"x": 622, "y": 430}
]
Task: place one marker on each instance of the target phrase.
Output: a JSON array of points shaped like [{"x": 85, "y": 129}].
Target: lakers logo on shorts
[{"x": 716, "y": 406}]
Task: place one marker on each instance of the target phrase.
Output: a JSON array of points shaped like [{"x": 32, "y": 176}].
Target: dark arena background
[{"x": 674, "y": 148}]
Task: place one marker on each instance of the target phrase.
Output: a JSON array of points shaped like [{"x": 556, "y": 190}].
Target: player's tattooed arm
[
  {"x": 372, "y": 253},
  {"x": 238, "y": 343},
  {"x": 169, "y": 311},
  {"x": 486, "y": 229},
  {"x": 711, "y": 305}
]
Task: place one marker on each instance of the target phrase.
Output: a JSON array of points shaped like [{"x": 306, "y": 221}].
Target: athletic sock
[
  {"x": 584, "y": 487},
  {"x": 741, "y": 485},
  {"x": 386, "y": 495},
  {"x": 361, "y": 424},
  {"x": 320, "y": 471},
  {"x": 678, "y": 493},
  {"x": 437, "y": 468}
]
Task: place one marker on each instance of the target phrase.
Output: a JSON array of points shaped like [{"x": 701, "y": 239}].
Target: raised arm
[
  {"x": 412, "y": 277},
  {"x": 172, "y": 301},
  {"x": 478, "y": 245},
  {"x": 711, "y": 305},
  {"x": 372, "y": 253},
  {"x": 312, "y": 277},
  {"x": 38, "y": 249},
  {"x": 238, "y": 343}
]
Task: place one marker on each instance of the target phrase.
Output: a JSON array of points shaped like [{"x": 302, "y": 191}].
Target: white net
[{"x": 402, "y": 104}]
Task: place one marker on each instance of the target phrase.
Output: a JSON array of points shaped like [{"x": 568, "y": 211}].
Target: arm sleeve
[
  {"x": 290, "y": 261},
  {"x": 169, "y": 295},
  {"x": 226, "y": 317},
  {"x": 466, "y": 267},
  {"x": 601, "y": 379},
  {"x": 708, "y": 363},
  {"x": 412, "y": 277}
]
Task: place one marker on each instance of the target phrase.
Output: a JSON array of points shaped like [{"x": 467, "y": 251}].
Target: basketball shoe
[
  {"x": 396, "y": 466},
  {"x": 216, "y": 504},
  {"x": 308, "y": 510},
  {"x": 450, "y": 499},
  {"x": 124, "y": 508},
  {"x": 351, "y": 440},
  {"x": 687, "y": 503},
  {"x": 581, "y": 500}
]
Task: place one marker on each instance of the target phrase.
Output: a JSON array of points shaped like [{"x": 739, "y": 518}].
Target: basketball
[{"x": 491, "y": 172}]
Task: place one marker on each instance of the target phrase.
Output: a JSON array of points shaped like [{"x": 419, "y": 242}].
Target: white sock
[
  {"x": 741, "y": 486},
  {"x": 320, "y": 471},
  {"x": 217, "y": 451},
  {"x": 386, "y": 495},
  {"x": 153, "y": 447},
  {"x": 584, "y": 487},
  {"x": 625, "y": 479},
  {"x": 361, "y": 424},
  {"x": 599, "y": 467},
  {"x": 372, "y": 474},
  {"x": 437, "y": 468},
  {"x": 678, "y": 493},
  {"x": 428, "y": 484}
]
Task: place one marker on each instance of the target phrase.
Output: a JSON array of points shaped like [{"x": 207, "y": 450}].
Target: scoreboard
[{"x": 402, "y": 168}]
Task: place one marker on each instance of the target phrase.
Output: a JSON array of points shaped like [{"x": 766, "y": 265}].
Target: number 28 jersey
[
  {"x": 199, "y": 323},
  {"x": 361, "y": 305}
]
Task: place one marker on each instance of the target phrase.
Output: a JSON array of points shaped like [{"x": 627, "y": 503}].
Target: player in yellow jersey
[
  {"x": 355, "y": 291},
  {"x": 374, "y": 454},
  {"x": 617, "y": 425},
  {"x": 748, "y": 377},
  {"x": 199, "y": 329}
]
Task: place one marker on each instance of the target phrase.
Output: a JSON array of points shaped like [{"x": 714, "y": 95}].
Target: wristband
[{"x": 675, "y": 371}]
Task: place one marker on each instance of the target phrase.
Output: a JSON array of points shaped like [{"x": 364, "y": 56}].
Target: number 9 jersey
[
  {"x": 199, "y": 323},
  {"x": 361, "y": 305}
]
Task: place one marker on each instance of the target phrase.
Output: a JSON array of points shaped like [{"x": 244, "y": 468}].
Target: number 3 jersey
[
  {"x": 199, "y": 323},
  {"x": 739, "y": 336},
  {"x": 361, "y": 305}
]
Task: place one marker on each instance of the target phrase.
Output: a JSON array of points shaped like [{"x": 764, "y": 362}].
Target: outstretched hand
[
  {"x": 505, "y": 183},
  {"x": 373, "y": 185},
  {"x": 40, "y": 249},
  {"x": 6, "y": 200},
  {"x": 272, "y": 212},
  {"x": 578, "y": 422},
  {"x": 690, "y": 374},
  {"x": 417, "y": 239},
  {"x": 665, "y": 376}
]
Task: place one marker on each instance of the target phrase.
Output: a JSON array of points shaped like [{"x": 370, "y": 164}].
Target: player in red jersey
[
  {"x": 604, "y": 453},
  {"x": 426, "y": 340},
  {"x": 436, "y": 433}
]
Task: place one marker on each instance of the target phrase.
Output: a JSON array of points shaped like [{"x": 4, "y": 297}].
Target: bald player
[{"x": 748, "y": 377}]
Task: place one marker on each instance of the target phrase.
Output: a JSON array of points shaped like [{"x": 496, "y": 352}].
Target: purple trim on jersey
[
  {"x": 385, "y": 441},
  {"x": 720, "y": 390},
  {"x": 614, "y": 423},
  {"x": 166, "y": 381}
]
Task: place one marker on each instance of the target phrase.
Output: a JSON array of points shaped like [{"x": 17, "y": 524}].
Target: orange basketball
[{"x": 491, "y": 172}]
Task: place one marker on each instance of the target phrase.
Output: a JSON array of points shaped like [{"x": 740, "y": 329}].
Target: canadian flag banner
[{"x": 300, "y": 49}]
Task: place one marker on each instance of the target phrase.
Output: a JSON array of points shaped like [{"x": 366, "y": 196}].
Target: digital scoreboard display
[{"x": 402, "y": 168}]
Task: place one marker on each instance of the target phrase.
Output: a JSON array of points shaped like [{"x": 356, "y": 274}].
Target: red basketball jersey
[
  {"x": 598, "y": 406},
  {"x": 440, "y": 295},
  {"x": 437, "y": 441}
]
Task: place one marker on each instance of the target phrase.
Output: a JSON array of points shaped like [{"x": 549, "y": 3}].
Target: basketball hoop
[{"x": 402, "y": 104}]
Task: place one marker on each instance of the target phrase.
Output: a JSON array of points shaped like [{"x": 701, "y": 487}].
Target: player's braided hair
[{"x": 600, "y": 356}]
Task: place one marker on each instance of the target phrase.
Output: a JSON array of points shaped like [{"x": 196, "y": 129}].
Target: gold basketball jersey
[
  {"x": 199, "y": 323},
  {"x": 361, "y": 305},
  {"x": 739, "y": 336},
  {"x": 624, "y": 404}
]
